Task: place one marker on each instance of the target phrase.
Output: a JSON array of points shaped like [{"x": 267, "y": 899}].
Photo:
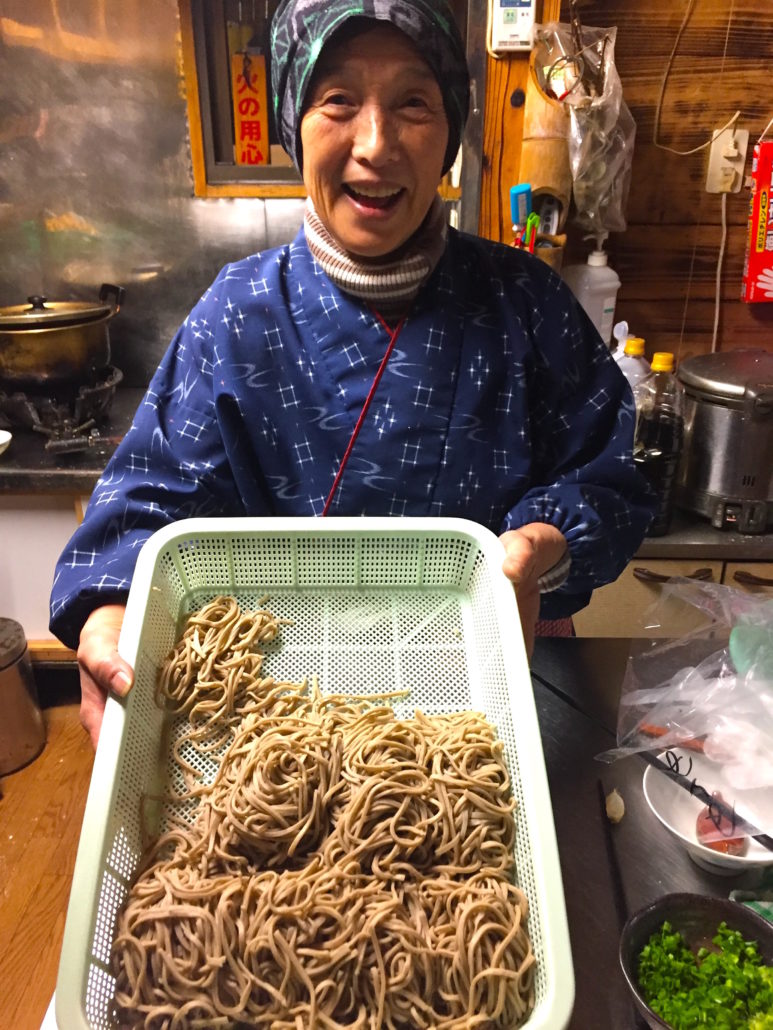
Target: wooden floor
[{"x": 40, "y": 819}]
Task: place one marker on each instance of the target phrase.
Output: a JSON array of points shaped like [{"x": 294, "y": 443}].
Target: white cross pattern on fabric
[
  {"x": 422, "y": 397},
  {"x": 273, "y": 338},
  {"x": 397, "y": 506},
  {"x": 430, "y": 342},
  {"x": 287, "y": 393},
  {"x": 328, "y": 303},
  {"x": 353, "y": 354},
  {"x": 303, "y": 451},
  {"x": 106, "y": 582},
  {"x": 410, "y": 454},
  {"x": 108, "y": 497},
  {"x": 501, "y": 463},
  {"x": 504, "y": 400},
  {"x": 258, "y": 286},
  {"x": 599, "y": 400},
  {"x": 81, "y": 559},
  {"x": 192, "y": 430}
]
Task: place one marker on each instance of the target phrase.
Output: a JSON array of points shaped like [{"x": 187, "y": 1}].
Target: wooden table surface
[
  {"x": 40, "y": 820},
  {"x": 576, "y": 684}
]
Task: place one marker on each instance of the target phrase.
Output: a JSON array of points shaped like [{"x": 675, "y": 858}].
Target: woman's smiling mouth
[{"x": 375, "y": 197}]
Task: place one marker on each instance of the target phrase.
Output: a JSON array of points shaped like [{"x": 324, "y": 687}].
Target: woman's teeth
[{"x": 373, "y": 196}]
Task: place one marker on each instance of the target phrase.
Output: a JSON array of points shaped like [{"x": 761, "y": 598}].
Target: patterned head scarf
[{"x": 301, "y": 28}]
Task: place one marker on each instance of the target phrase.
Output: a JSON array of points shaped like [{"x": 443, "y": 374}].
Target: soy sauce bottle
[{"x": 659, "y": 434}]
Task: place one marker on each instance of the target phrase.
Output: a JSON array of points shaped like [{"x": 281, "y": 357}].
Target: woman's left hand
[{"x": 530, "y": 552}]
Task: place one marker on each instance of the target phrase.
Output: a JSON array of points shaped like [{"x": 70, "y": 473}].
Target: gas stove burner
[{"x": 68, "y": 418}]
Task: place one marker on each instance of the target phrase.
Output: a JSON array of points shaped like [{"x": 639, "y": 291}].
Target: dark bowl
[{"x": 696, "y": 917}]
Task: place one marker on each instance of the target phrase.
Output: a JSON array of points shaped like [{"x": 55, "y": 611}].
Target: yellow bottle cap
[
  {"x": 663, "y": 361},
  {"x": 634, "y": 346}
]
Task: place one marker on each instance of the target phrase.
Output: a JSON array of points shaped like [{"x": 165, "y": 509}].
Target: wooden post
[{"x": 503, "y": 124}]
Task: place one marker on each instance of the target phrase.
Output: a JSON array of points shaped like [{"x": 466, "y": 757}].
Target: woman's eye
[{"x": 336, "y": 99}]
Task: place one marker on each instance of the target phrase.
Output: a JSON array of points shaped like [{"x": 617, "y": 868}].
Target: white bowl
[
  {"x": 678, "y": 811},
  {"x": 5, "y": 439}
]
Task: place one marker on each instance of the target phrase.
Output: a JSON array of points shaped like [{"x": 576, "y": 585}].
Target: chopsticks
[
  {"x": 695, "y": 788},
  {"x": 618, "y": 888}
]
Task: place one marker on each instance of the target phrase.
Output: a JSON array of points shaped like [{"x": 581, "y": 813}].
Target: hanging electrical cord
[
  {"x": 662, "y": 93},
  {"x": 764, "y": 132},
  {"x": 731, "y": 123},
  {"x": 490, "y": 32},
  {"x": 723, "y": 241},
  {"x": 718, "y": 280}
]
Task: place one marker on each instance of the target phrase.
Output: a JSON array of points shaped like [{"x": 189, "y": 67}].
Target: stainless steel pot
[
  {"x": 45, "y": 342},
  {"x": 726, "y": 469}
]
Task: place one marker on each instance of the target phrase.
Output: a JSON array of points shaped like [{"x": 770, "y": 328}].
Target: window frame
[
  {"x": 212, "y": 178},
  {"x": 221, "y": 179}
]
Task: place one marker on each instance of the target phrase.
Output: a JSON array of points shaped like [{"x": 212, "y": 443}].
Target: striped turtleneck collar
[{"x": 388, "y": 284}]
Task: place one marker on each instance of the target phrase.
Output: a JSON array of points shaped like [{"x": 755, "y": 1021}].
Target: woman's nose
[{"x": 375, "y": 137}]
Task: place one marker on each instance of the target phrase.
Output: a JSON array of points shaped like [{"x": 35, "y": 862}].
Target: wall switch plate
[{"x": 726, "y": 160}]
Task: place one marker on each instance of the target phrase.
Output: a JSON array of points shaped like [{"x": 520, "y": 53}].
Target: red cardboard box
[{"x": 758, "y": 264}]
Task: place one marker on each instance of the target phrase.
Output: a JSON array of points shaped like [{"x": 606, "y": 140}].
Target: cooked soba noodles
[{"x": 345, "y": 868}]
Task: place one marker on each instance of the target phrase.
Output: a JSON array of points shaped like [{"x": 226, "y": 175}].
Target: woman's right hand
[{"x": 101, "y": 667}]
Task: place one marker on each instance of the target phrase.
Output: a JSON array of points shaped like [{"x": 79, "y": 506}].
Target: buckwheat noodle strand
[{"x": 343, "y": 869}]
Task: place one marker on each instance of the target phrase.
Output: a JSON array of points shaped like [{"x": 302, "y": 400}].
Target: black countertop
[
  {"x": 692, "y": 536},
  {"x": 27, "y": 467},
  {"x": 608, "y": 871}
]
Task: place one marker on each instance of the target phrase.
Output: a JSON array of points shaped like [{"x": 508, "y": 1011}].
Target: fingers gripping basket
[{"x": 376, "y": 605}]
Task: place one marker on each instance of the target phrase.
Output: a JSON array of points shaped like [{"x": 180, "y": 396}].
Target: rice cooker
[{"x": 726, "y": 468}]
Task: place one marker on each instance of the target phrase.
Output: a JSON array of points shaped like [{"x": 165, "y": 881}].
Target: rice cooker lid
[{"x": 728, "y": 376}]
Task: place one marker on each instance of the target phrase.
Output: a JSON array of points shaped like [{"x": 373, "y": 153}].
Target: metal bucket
[{"x": 22, "y": 730}]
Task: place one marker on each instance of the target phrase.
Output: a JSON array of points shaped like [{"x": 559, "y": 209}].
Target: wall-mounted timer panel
[{"x": 512, "y": 24}]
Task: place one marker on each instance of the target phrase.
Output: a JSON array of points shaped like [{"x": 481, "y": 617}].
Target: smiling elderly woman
[{"x": 380, "y": 364}]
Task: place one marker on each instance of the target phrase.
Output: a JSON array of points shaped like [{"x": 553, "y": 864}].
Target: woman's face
[{"x": 374, "y": 137}]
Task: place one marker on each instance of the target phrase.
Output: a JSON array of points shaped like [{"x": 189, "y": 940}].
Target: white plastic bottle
[
  {"x": 595, "y": 286},
  {"x": 631, "y": 361}
]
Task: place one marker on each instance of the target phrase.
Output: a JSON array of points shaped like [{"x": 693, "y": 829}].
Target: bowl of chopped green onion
[{"x": 694, "y": 961}]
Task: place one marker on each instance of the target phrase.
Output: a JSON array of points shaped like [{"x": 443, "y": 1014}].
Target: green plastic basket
[{"x": 376, "y": 605}]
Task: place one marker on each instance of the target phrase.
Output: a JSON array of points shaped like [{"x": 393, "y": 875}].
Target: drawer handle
[
  {"x": 749, "y": 579},
  {"x": 647, "y": 576}
]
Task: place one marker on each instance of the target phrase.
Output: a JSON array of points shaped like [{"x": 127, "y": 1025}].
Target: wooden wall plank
[
  {"x": 667, "y": 257},
  {"x": 661, "y": 259}
]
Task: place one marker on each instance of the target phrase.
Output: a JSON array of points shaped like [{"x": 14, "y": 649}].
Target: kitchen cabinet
[
  {"x": 34, "y": 529},
  {"x": 634, "y": 605},
  {"x": 756, "y": 577},
  {"x": 692, "y": 547}
]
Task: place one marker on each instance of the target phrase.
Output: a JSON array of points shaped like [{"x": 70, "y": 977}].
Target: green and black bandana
[{"x": 301, "y": 28}]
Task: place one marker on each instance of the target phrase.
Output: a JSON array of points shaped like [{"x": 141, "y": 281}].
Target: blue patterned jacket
[{"x": 500, "y": 403}]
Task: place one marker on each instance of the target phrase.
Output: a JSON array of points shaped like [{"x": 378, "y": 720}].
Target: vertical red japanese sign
[{"x": 248, "y": 89}]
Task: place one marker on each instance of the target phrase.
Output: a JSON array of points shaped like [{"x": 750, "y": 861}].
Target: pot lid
[
  {"x": 13, "y": 642},
  {"x": 40, "y": 313},
  {"x": 728, "y": 374}
]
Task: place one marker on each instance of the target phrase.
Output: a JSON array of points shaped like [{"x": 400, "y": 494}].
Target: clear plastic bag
[
  {"x": 708, "y": 693},
  {"x": 578, "y": 69}
]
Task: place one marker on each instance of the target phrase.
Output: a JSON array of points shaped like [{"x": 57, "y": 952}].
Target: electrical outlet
[{"x": 726, "y": 160}]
